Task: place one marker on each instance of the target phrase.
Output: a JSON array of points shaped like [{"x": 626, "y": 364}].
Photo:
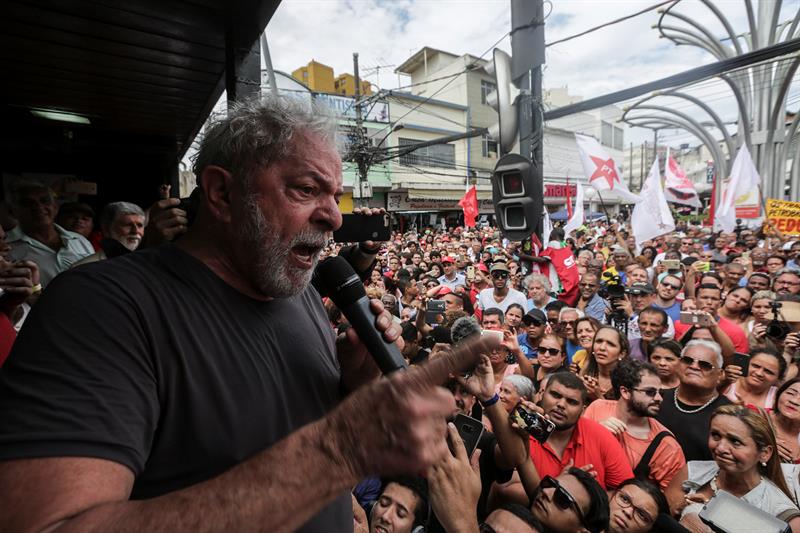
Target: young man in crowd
[
  {"x": 401, "y": 506},
  {"x": 451, "y": 278},
  {"x": 653, "y": 324},
  {"x": 667, "y": 292},
  {"x": 631, "y": 419},
  {"x": 501, "y": 295}
]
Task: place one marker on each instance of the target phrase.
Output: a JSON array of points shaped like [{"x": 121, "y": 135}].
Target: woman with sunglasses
[
  {"x": 585, "y": 328},
  {"x": 745, "y": 465},
  {"x": 665, "y": 355},
  {"x": 736, "y": 306},
  {"x": 785, "y": 421},
  {"x": 550, "y": 358},
  {"x": 757, "y": 389},
  {"x": 635, "y": 506},
  {"x": 608, "y": 347}
]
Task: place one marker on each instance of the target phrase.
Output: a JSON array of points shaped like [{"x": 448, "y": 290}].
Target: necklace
[
  {"x": 714, "y": 488},
  {"x": 692, "y": 411}
]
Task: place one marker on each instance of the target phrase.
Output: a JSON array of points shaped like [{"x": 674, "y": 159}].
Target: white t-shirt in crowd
[{"x": 486, "y": 299}]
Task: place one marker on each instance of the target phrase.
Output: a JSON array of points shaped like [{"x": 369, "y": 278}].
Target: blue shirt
[
  {"x": 673, "y": 311},
  {"x": 596, "y": 308},
  {"x": 527, "y": 349}
]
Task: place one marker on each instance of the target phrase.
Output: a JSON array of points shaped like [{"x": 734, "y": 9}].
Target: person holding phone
[
  {"x": 755, "y": 385},
  {"x": 609, "y": 346},
  {"x": 745, "y": 464}
]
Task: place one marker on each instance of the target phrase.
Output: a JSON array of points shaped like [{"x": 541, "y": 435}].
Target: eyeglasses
[
  {"x": 561, "y": 497},
  {"x": 541, "y": 350},
  {"x": 626, "y": 502},
  {"x": 671, "y": 286},
  {"x": 705, "y": 366},
  {"x": 500, "y": 275},
  {"x": 651, "y": 393}
]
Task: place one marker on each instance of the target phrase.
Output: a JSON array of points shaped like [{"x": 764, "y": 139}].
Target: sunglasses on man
[
  {"x": 705, "y": 366},
  {"x": 541, "y": 350},
  {"x": 500, "y": 275},
  {"x": 561, "y": 497}
]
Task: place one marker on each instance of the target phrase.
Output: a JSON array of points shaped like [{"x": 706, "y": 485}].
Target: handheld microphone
[{"x": 345, "y": 288}]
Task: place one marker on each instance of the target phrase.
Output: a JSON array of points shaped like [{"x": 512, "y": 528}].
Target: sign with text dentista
[{"x": 784, "y": 215}]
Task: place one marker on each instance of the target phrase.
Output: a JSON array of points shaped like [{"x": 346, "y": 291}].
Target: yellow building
[
  {"x": 316, "y": 76},
  {"x": 346, "y": 84}
]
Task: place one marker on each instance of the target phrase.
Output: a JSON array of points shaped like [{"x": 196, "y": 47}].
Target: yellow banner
[{"x": 784, "y": 215}]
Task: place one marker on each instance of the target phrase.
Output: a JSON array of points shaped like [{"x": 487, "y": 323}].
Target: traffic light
[
  {"x": 516, "y": 196},
  {"x": 503, "y": 100}
]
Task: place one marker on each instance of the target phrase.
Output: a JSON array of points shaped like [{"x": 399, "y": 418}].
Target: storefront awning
[{"x": 443, "y": 194}]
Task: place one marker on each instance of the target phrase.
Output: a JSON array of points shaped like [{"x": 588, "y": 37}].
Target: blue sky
[{"x": 386, "y": 32}]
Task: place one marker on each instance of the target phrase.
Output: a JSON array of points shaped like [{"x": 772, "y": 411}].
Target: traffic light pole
[{"x": 527, "y": 46}]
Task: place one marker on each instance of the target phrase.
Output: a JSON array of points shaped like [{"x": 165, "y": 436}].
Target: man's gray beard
[
  {"x": 272, "y": 273},
  {"x": 124, "y": 240}
]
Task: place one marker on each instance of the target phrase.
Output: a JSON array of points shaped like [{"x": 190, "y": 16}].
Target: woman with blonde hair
[{"x": 746, "y": 465}]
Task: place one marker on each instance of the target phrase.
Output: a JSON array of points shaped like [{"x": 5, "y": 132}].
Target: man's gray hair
[
  {"x": 565, "y": 310},
  {"x": 255, "y": 133},
  {"x": 523, "y": 385},
  {"x": 117, "y": 209},
  {"x": 711, "y": 345},
  {"x": 28, "y": 185},
  {"x": 541, "y": 278},
  {"x": 787, "y": 270},
  {"x": 763, "y": 295}
]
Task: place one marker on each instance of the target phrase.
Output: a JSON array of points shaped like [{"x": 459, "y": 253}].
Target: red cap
[
  {"x": 443, "y": 291},
  {"x": 482, "y": 267},
  {"x": 448, "y": 259}
]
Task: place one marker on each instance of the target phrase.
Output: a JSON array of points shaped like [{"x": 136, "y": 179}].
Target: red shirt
[
  {"x": 592, "y": 444},
  {"x": 7, "y": 336},
  {"x": 736, "y": 333}
]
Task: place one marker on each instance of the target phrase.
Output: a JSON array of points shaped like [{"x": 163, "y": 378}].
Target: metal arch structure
[{"x": 760, "y": 93}]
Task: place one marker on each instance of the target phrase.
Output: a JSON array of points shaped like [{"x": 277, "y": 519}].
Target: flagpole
[{"x": 602, "y": 203}]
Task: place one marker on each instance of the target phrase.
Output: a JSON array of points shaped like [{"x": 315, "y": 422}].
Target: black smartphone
[
  {"x": 535, "y": 424},
  {"x": 433, "y": 309},
  {"x": 511, "y": 359},
  {"x": 741, "y": 360},
  {"x": 470, "y": 431},
  {"x": 360, "y": 228}
]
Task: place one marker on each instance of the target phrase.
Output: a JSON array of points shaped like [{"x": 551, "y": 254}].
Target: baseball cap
[
  {"x": 448, "y": 259},
  {"x": 500, "y": 266},
  {"x": 482, "y": 267},
  {"x": 535, "y": 316},
  {"x": 641, "y": 287}
]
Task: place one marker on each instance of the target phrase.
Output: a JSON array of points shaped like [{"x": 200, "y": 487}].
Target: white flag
[
  {"x": 678, "y": 189},
  {"x": 744, "y": 179},
  {"x": 576, "y": 221},
  {"x": 651, "y": 217},
  {"x": 547, "y": 227},
  {"x": 601, "y": 170}
]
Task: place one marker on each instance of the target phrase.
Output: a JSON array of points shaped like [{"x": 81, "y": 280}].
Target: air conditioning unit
[{"x": 362, "y": 189}]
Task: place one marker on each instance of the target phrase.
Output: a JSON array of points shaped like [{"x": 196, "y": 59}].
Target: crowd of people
[
  {"x": 580, "y": 384},
  {"x": 669, "y": 371}
]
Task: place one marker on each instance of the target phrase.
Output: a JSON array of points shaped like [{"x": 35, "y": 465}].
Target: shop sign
[{"x": 399, "y": 201}]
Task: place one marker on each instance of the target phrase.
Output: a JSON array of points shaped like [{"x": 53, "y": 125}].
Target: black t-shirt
[
  {"x": 690, "y": 430},
  {"x": 154, "y": 362}
]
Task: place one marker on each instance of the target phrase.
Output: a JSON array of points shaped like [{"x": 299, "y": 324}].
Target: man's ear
[{"x": 217, "y": 184}]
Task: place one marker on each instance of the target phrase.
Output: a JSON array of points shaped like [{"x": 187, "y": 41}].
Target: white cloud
[{"x": 387, "y": 32}]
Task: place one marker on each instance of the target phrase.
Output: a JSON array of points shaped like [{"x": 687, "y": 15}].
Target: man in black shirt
[
  {"x": 199, "y": 386},
  {"x": 687, "y": 410}
]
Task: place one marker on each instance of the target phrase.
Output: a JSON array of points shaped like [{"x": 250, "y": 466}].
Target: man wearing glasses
[
  {"x": 787, "y": 281},
  {"x": 687, "y": 409},
  {"x": 589, "y": 301},
  {"x": 631, "y": 419},
  {"x": 666, "y": 296},
  {"x": 571, "y": 502},
  {"x": 500, "y": 295}
]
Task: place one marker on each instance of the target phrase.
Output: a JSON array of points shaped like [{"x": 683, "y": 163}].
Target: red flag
[
  {"x": 569, "y": 201},
  {"x": 469, "y": 203}
]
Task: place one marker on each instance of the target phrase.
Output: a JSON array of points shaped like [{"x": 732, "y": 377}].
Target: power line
[{"x": 612, "y": 22}]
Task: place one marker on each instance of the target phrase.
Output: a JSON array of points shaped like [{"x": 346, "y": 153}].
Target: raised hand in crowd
[
  {"x": 165, "y": 220},
  {"x": 454, "y": 485},
  {"x": 19, "y": 282}
]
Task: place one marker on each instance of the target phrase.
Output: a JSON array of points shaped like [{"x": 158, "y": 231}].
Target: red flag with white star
[
  {"x": 601, "y": 170},
  {"x": 469, "y": 203}
]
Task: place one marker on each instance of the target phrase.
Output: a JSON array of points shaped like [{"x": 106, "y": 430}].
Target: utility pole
[
  {"x": 527, "y": 52},
  {"x": 361, "y": 148}
]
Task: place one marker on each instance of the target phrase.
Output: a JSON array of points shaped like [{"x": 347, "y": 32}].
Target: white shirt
[
  {"x": 49, "y": 261},
  {"x": 458, "y": 280},
  {"x": 486, "y": 299}
]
